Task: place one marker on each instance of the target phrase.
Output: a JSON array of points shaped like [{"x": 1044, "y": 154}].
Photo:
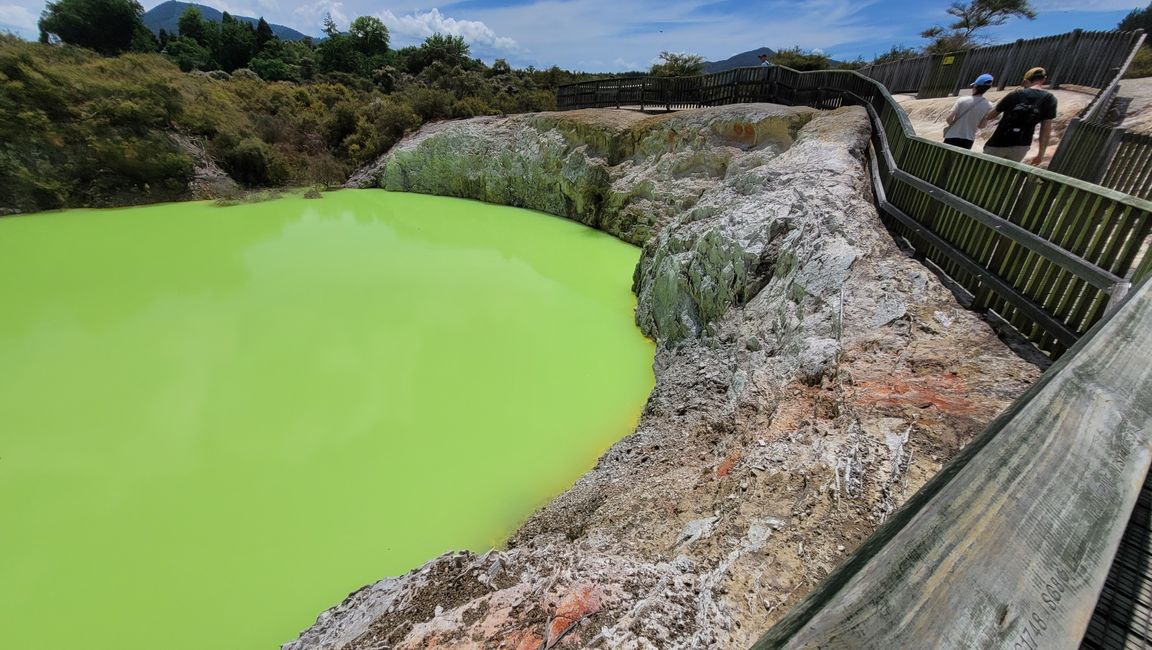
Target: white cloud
[
  {"x": 423, "y": 25},
  {"x": 18, "y": 16},
  {"x": 610, "y": 35},
  {"x": 313, "y": 14},
  {"x": 234, "y": 9},
  {"x": 622, "y": 64}
]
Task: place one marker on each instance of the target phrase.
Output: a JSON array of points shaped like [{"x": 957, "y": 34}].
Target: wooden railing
[
  {"x": 1080, "y": 58},
  {"x": 1131, "y": 168},
  {"x": 1094, "y": 150},
  {"x": 1044, "y": 252}
]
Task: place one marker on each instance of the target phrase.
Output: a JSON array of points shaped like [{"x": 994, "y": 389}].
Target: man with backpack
[{"x": 1022, "y": 110}]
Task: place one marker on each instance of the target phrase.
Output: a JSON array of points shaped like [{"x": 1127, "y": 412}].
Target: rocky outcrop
[
  {"x": 809, "y": 376},
  {"x": 209, "y": 181},
  {"x": 626, "y": 174}
]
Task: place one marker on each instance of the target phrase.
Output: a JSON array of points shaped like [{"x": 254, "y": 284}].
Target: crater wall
[{"x": 809, "y": 378}]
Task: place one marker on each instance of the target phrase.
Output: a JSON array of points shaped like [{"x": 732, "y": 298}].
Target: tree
[
  {"x": 338, "y": 53},
  {"x": 678, "y": 64},
  {"x": 187, "y": 53},
  {"x": 852, "y": 64},
  {"x": 191, "y": 25},
  {"x": 452, "y": 51},
  {"x": 802, "y": 60},
  {"x": 329, "y": 26},
  {"x": 237, "y": 43},
  {"x": 895, "y": 53},
  {"x": 264, "y": 34},
  {"x": 205, "y": 33},
  {"x": 970, "y": 18},
  {"x": 1138, "y": 19},
  {"x": 370, "y": 35},
  {"x": 109, "y": 27},
  {"x": 500, "y": 67}
]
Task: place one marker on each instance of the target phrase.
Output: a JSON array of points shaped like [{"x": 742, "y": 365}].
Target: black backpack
[{"x": 1025, "y": 114}]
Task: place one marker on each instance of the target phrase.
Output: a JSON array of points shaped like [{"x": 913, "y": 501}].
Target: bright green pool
[{"x": 216, "y": 422}]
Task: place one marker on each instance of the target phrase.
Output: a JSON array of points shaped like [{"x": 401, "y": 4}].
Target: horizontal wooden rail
[
  {"x": 1095, "y": 276},
  {"x": 1037, "y": 313}
]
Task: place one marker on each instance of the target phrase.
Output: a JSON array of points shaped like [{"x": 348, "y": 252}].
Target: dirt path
[{"x": 927, "y": 115}]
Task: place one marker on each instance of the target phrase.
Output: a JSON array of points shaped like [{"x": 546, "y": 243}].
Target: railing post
[
  {"x": 1071, "y": 48},
  {"x": 1067, "y": 141},
  {"x": 1111, "y": 146},
  {"x": 959, "y": 83},
  {"x": 1003, "y": 76}
]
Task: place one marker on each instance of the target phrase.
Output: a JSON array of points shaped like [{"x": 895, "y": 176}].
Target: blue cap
[{"x": 983, "y": 80}]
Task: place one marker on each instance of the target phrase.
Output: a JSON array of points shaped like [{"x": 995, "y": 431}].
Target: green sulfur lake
[{"x": 216, "y": 422}]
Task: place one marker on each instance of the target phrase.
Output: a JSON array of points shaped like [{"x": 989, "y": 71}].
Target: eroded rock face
[
  {"x": 626, "y": 174},
  {"x": 810, "y": 378}
]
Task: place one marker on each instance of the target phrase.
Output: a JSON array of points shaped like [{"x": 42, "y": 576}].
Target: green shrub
[
  {"x": 430, "y": 104},
  {"x": 1141, "y": 64},
  {"x": 471, "y": 107},
  {"x": 252, "y": 162},
  {"x": 271, "y": 69}
]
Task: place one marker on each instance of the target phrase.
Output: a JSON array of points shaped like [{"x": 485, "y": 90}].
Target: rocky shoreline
[{"x": 809, "y": 378}]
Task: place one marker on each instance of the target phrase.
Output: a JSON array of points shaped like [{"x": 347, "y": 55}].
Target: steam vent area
[{"x": 810, "y": 378}]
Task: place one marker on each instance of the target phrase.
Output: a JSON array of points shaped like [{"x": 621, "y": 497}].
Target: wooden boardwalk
[{"x": 1123, "y": 616}]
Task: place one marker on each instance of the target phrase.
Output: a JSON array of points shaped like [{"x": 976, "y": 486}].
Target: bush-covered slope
[{"x": 79, "y": 129}]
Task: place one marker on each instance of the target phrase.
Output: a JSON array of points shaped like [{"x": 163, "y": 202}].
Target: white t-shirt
[{"x": 969, "y": 110}]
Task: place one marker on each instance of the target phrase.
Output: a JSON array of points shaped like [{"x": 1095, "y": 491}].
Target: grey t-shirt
[{"x": 969, "y": 111}]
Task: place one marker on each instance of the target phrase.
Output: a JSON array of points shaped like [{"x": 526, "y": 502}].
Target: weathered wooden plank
[
  {"x": 1004, "y": 290},
  {"x": 1021, "y": 526},
  {"x": 1022, "y": 236}
]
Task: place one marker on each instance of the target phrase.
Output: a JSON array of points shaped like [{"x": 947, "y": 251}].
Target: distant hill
[
  {"x": 741, "y": 60},
  {"x": 166, "y": 15}
]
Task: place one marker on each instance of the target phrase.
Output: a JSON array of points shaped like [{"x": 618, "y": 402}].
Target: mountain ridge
[
  {"x": 166, "y": 16},
  {"x": 741, "y": 60}
]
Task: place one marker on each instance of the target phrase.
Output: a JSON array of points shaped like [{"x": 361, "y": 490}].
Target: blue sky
[{"x": 615, "y": 35}]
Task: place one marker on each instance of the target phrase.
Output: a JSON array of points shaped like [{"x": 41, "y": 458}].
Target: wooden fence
[
  {"x": 1108, "y": 156},
  {"x": 902, "y": 76},
  {"x": 1045, "y": 252},
  {"x": 1080, "y": 58},
  {"x": 1131, "y": 168},
  {"x": 1095, "y": 151},
  {"x": 736, "y": 86}
]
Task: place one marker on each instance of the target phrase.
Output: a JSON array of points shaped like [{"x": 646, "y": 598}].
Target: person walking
[
  {"x": 969, "y": 114},
  {"x": 764, "y": 60},
  {"x": 1022, "y": 110}
]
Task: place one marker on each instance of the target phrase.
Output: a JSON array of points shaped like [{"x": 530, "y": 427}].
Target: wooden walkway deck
[{"x": 1123, "y": 616}]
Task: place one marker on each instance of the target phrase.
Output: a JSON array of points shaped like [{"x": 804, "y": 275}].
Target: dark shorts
[{"x": 959, "y": 142}]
